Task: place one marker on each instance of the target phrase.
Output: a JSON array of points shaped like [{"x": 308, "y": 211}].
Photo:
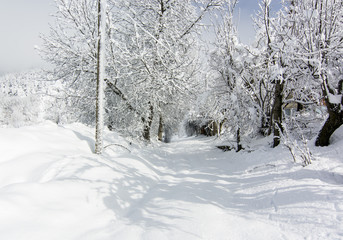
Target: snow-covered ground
[{"x": 53, "y": 187}]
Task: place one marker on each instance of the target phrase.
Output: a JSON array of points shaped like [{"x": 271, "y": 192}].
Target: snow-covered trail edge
[{"x": 53, "y": 187}]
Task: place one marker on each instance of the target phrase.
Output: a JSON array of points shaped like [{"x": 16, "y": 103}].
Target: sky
[
  {"x": 22, "y": 21},
  {"x": 245, "y": 9}
]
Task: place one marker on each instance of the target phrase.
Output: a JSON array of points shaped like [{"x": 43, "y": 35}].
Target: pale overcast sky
[{"x": 21, "y": 22}]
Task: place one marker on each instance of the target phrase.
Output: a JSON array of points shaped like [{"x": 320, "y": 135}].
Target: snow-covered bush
[{"x": 297, "y": 147}]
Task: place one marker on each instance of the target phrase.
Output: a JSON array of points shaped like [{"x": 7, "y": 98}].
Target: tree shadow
[
  {"x": 153, "y": 188},
  {"x": 90, "y": 141},
  {"x": 272, "y": 194}
]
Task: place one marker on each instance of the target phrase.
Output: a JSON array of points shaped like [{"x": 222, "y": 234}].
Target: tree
[
  {"x": 316, "y": 47},
  {"x": 160, "y": 45},
  {"x": 259, "y": 68},
  {"x": 151, "y": 59},
  {"x": 274, "y": 64},
  {"x": 71, "y": 48},
  {"x": 99, "y": 121},
  {"x": 229, "y": 103}
]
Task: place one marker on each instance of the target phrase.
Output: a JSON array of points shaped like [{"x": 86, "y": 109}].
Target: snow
[
  {"x": 52, "y": 186},
  {"x": 335, "y": 99}
]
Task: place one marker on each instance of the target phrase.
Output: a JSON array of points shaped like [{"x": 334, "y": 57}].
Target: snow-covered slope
[{"x": 53, "y": 187}]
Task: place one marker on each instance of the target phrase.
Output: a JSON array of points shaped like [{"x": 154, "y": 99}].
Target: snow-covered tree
[
  {"x": 72, "y": 49},
  {"x": 151, "y": 52},
  {"x": 161, "y": 47},
  {"x": 228, "y": 105},
  {"x": 274, "y": 78},
  {"x": 315, "y": 44}
]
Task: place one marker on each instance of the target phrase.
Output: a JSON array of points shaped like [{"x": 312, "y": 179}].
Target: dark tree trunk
[
  {"x": 277, "y": 113},
  {"x": 334, "y": 121},
  {"x": 265, "y": 129},
  {"x": 238, "y": 138},
  {"x": 160, "y": 129},
  {"x": 148, "y": 123}
]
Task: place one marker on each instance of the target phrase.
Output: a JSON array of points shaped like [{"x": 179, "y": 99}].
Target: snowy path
[
  {"x": 196, "y": 198},
  {"x": 53, "y": 187},
  {"x": 203, "y": 193}
]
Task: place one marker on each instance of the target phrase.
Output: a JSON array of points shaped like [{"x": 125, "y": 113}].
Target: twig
[{"x": 115, "y": 144}]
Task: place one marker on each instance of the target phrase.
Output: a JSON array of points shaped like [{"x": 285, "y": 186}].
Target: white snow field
[{"x": 53, "y": 187}]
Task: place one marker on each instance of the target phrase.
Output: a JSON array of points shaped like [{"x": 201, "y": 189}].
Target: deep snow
[{"x": 53, "y": 187}]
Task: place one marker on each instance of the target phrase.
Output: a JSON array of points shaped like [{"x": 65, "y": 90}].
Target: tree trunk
[
  {"x": 331, "y": 125},
  {"x": 99, "y": 118},
  {"x": 265, "y": 125},
  {"x": 238, "y": 138},
  {"x": 148, "y": 123},
  {"x": 277, "y": 113},
  {"x": 160, "y": 129},
  {"x": 334, "y": 121}
]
